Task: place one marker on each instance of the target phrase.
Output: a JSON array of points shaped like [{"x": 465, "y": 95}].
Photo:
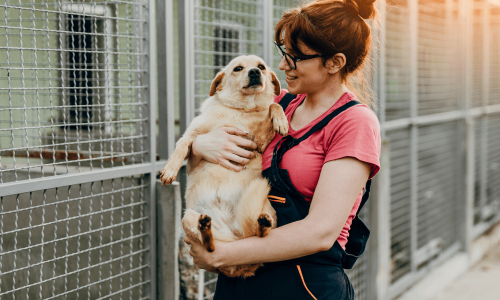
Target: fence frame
[{"x": 149, "y": 168}]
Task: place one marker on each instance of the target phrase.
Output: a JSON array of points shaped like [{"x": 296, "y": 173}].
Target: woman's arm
[
  {"x": 221, "y": 146},
  {"x": 344, "y": 178}
]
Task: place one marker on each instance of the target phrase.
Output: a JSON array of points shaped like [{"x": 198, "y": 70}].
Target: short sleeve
[{"x": 357, "y": 134}]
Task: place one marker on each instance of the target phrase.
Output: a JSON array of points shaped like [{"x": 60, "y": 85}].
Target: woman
[{"x": 317, "y": 174}]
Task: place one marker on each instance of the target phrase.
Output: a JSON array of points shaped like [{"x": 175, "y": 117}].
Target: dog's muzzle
[{"x": 254, "y": 77}]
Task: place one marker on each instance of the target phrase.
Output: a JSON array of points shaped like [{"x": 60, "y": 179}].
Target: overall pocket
[{"x": 324, "y": 282}]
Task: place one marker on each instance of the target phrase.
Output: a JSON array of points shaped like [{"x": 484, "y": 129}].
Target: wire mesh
[
  {"x": 438, "y": 200},
  {"x": 477, "y": 54},
  {"x": 279, "y": 7},
  {"x": 400, "y": 203},
  {"x": 397, "y": 63},
  {"x": 479, "y": 136},
  {"x": 494, "y": 61},
  {"x": 223, "y": 30},
  {"x": 75, "y": 242},
  {"x": 70, "y": 85},
  {"x": 438, "y": 63},
  {"x": 493, "y": 168}
]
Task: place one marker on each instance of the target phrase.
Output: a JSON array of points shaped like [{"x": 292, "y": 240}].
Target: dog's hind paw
[
  {"x": 205, "y": 223},
  {"x": 265, "y": 224},
  {"x": 205, "y": 226}
]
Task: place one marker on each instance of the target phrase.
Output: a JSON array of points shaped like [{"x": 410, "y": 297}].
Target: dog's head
[{"x": 245, "y": 76}]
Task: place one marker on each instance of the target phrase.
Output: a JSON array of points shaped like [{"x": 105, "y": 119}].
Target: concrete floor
[{"x": 480, "y": 282}]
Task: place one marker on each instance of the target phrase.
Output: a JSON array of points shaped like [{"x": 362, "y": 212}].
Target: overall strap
[
  {"x": 285, "y": 101},
  {"x": 365, "y": 196},
  {"x": 289, "y": 141}
]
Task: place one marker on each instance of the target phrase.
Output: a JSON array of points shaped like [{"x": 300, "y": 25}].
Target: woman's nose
[{"x": 283, "y": 66}]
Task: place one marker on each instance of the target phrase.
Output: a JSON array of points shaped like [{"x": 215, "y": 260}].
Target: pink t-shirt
[{"x": 353, "y": 133}]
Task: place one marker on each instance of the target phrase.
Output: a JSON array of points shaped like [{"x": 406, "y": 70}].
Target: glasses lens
[
  {"x": 282, "y": 53},
  {"x": 290, "y": 61}
]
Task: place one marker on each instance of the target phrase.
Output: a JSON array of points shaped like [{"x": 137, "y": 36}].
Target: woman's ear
[
  {"x": 216, "y": 83},
  {"x": 336, "y": 63},
  {"x": 276, "y": 83}
]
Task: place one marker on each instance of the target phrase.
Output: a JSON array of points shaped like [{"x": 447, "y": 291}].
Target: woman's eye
[
  {"x": 237, "y": 69},
  {"x": 262, "y": 67}
]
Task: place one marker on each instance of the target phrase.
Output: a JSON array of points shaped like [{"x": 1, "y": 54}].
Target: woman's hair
[{"x": 330, "y": 27}]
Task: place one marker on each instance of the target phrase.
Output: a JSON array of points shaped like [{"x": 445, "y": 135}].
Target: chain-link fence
[{"x": 74, "y": 113}]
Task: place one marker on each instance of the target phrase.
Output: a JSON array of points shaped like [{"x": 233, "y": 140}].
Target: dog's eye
[
  {"x": 262, "y": 67},
  {"x": 237, "y": 69}
]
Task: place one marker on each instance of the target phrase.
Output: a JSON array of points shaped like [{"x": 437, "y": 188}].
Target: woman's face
[{"x": 309, "y": 75}]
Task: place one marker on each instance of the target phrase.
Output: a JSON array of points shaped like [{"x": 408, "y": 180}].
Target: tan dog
[{"x": 224, "y": 205}]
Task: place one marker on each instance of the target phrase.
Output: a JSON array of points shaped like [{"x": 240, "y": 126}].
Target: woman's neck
[{"x": 324, "y": 99}]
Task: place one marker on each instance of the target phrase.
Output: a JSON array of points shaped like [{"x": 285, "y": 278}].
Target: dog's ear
[
  {"x": 216, "y": 83},
  {"x": 276, "y": 83}
]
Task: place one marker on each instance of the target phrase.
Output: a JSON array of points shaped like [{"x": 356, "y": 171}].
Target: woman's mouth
[{"x": 290, "y": 79}]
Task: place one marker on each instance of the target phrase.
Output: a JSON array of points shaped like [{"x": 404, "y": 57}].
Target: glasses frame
[{"x": 294, "y": 59}]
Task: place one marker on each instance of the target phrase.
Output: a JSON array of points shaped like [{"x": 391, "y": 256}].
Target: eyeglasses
[{"x": 293, "y": 60}]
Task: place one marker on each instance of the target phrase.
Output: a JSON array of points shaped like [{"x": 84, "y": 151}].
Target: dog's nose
[{"x": 254, "y": 72}]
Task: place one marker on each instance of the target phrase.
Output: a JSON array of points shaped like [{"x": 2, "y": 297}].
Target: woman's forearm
[{"x": 291, "y": 241}]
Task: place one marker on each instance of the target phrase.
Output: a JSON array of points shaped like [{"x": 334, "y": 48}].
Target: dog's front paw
[
  {"x": 280, "y": 125},
  {"x": 280, "y": 122},
  {"x": 168, "y": 175}
]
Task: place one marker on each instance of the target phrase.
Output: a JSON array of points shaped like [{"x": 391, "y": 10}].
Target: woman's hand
[
  {"x": 201, "y": 257},
  {"x": 222, "y": 146}
]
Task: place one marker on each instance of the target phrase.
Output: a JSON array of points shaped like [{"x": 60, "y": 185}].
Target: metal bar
[
  {"x": 379, "y": 276},
  {"x": 61, "y": 154},
  {"x": 413, "y": 9},
  {"x": 186, "y": 63},
  {"x": 481, "y": 228},
  {"x": 151, "y": 94},
  {"x": 201, "y": 284},
  {"x": 169, "y": 205},
  {"x": 483, "y": 167},
  {"x": 466, "y": 23},
  {"x": 165, "y": 62},
  {"x": 44, "y": 183},
  {"x": 440, "y": 117},
  {"x": 382, "y": 64},
  {"x": 408, "y": 280},
  {"x": 268, "y": 32}
]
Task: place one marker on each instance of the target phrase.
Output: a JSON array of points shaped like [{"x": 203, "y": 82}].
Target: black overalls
[{"x": 317, "y": 276}]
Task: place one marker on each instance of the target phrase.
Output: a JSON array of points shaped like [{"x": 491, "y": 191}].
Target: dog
[{"x": 223, "y": 205}]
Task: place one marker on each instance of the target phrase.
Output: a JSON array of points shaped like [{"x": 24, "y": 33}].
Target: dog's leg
[
  {"x": 267, "y": 219},
  {"x": 182, "y": 149},
  {"x": 252, "y": 209},
  {"x": 279, "y": 120},
  {"x": 205, "y": 226},
  {"x": 276, "y": 121},
  {"x": 199, "y": 227}
]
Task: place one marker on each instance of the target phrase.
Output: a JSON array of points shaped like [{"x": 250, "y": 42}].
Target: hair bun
[{"x": 364, "y": 8}]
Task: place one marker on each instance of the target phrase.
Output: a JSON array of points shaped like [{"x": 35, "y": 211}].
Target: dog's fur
[{"x": 224, "y": 205}]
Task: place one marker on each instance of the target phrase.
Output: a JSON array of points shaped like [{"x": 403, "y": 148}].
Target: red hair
[{"x": 330, "y": 27}]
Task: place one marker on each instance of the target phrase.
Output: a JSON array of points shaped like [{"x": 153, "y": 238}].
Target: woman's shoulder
[{"x": 360, "y": 114}]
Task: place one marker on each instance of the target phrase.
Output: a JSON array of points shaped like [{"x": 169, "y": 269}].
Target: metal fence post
[
  {"x": 186, "y": 63},
  {"x": 268, "y": 33},
  {"x": 165, "y": 65},
  {"x": 168, "y": 204},
  {"x": 413, "y": 4},
  {"x": 379, "y": 248},
  {"x": 150, "y": 61},
  {"x": 466, "y": 46}
]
